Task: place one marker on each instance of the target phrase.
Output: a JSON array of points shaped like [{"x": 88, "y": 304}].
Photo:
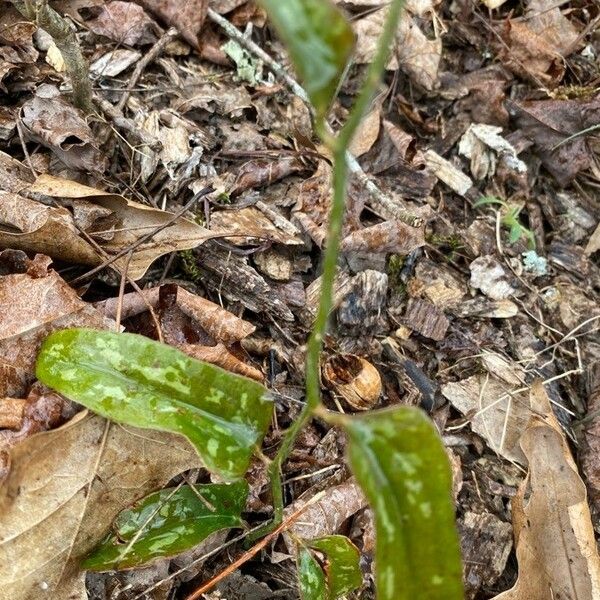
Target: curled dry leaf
[
  {"x": 134, "y": 221},
  {"x": 125, "y": 23},
  {"x": 51, "y": 121},
  {"x": 32, "y": 304},
  {"x": 35, "y": 227},
  {"x": 188, "y": 17},
  {"x": 554, "y": 535},
  {"x": 326, "y": 516},
  {"x": 353, "y": 378},
  {"x": 64, "y": 490},
  {"x": 548, "y": 123},
  {"x": 203, "y": 329}
]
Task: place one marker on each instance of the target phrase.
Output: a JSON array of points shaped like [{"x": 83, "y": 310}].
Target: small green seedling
[{"x": 510, "y": 219}]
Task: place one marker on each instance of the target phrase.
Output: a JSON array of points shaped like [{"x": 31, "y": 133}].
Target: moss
[
  {"x": 189, "y": 265},
  {"x": 394, "y": 272}
]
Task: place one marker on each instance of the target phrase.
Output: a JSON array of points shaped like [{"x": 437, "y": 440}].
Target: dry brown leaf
[
  {"x": 554, "y": 535},
  {"x": 203, "y": 330},
  {"x": 249, "y": 224},
  {"x": 125, "y": 23},
  {"x": 545, "y": 18},
  {"x": 326, "y": 516},
  {"x": 530, "y": 55},
  {"x": 134, "y": 221},
  {"x": 259, "y": 173},
  {"x": 590, "y": 447},
  {"x": 494, "y": 412},
  {"x": 367, "y": 133},
  {"x": 50, "y": 120},
  {"x": 188, "y": 17},
  {"x": 33, "y": 304},
  {"x": 416, "y": 54},
  {"x": 548, "y": 123},
  {"x": 35, "y": 227},
  {"x": 64, "y": 489}
]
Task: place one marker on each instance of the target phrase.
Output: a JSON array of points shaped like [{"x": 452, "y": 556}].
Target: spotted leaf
[
  {"x": 400, "y": 462},
  {"x": 133, "y": 380},
  {"x": 167, "y": 523}
]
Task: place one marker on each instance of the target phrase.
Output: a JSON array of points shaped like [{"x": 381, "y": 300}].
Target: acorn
[{"x": 353, "y": 378}]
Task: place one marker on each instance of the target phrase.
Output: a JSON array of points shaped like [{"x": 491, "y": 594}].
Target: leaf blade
[
  {"x": 167, "y": 523},
  {"x": 319, "y": 40},
  {"x": 343, "y": 574},
  {"x": 136, "y": 381},
  {"x": 399, "y": 461},
  {"x": 311, "y": 578}
]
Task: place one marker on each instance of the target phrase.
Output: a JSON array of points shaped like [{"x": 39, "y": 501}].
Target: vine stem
[{"x": 338, "y": 147}]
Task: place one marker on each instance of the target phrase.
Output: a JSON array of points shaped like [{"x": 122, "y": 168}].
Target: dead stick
[
  {"x": 379, "y": 201},
  {"x": 246, "y": 556}
]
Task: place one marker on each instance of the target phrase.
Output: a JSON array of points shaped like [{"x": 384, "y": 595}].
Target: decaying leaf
[
  {"x": 496, "y": 413},
  {"x": 64, "y": 489},
  {"x": 327, "y": 515},
  {"x": 50, "y": 120},
  {"x": 187, "y": 17},
  {"x": 548, "y": 123},
  {"x": 134, "y": 221},
  {"x": 34, "y": 227},
  {"x": 204, "y": 330},
  {"x": 125, "y": 23},
  {"x": 554, "y": 536},
  {"x": 416, "y": 54},
  {"x": 32, "y": 304}
]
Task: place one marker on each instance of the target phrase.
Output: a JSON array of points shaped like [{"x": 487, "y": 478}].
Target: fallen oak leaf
[{"x": 554, "y": 535}]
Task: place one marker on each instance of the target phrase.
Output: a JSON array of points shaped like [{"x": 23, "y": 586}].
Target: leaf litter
[{"x": 98, "y": 230}]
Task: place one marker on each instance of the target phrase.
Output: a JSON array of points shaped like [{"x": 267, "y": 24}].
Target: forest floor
[{"x": 200, "y": 172}]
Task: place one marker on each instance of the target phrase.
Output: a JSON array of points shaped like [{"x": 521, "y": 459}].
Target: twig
[
  {"x": 149, "y": 57},
  {"x": 66, "y": 41},
  {"x": 144, "y": 238},
  {"x": 382, "y": 203},
  {"x": 246, "y": 556}
]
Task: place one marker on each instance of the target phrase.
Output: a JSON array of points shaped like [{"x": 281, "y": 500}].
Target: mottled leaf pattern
[
  {"x": 311, "y": 579},
  {"x": 319, "y": 40},
  {"x": 399, "y": 461},
  {"x": 169, "y": 522},
  {"x": 131, "y": 379},
  {"x": 341, "y": 564}
]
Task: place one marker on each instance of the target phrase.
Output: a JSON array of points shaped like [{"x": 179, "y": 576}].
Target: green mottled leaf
[
  {"x": 169, "y": 522},
  {"x": 319, "y": 40},
  {"x": 311, "y": 579},
  {"x": 400, "y": 462},
  {"x": 342, "y": 569},
  {"x": 131, "y": 379}
]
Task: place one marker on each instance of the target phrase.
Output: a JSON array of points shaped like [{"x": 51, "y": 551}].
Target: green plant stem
[{"x": 338, "y": 147}]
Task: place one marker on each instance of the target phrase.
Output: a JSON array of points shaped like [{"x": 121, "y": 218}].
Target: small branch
[
  {"x": 380, "y": 201},
  {"x": 66, "y": 41}
]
